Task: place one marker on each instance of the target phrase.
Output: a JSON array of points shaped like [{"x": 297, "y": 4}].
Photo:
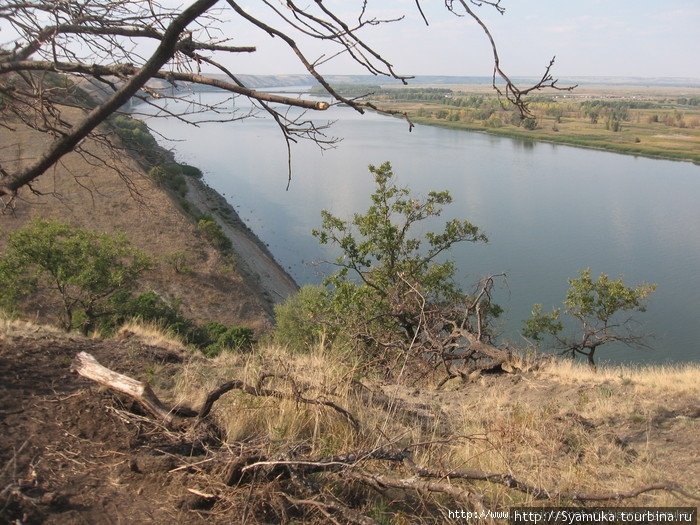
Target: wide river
[{"x": 548, "y": 210}]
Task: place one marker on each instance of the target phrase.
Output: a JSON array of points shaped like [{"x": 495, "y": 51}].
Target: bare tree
[{"x": 122, "y": 45}]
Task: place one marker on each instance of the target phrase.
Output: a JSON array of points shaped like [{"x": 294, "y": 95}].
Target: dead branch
[
  {"x": 87, "y": 366},
  {"x": 328, "y": 508},
  {"x": 425, "y": 415},
  {"x": 215, "y": 394}
]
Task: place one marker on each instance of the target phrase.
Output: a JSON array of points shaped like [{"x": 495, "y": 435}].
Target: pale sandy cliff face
[{"x": 115, "y": 195}]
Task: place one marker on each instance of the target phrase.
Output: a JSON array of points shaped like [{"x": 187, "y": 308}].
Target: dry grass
[
  {"x": 683, "y": 378},
  {"x": 13, "y": 326},
  {"x": 151, "y": 334},
  {"x": 318, "y": 375},
  {"x": 569, "y": 428},
  {"x": 563, "y": 428}
]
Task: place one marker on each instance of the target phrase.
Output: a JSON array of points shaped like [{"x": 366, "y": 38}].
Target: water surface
[{"x": 549, "y": 210}]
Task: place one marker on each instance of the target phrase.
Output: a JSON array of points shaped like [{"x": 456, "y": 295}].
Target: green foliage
[
  {"x": 170, "y": 176},
  {"x": 529, "y": 123},
  {"x": 151, "y": 307},
  {"x": 211, "y": 338},
  {"x": 541, "y": 323},
  {"x": 214, "y": 338},
  {"x": 378, "y": 246},
  {"x": 300, "y": 318},
  {"x": 136, "y": 136},
  {"x": 382, "y": 263},
  {"x": 180, "y": 262},
  {"x": 191, "y": 171},
  {"x": 594, "y": 306},
  {"x": 212, "y": 232},
  {"x": 82, "y": 269}
]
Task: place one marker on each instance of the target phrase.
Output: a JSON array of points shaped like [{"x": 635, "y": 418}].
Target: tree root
[{"x": 87, "y": 366}]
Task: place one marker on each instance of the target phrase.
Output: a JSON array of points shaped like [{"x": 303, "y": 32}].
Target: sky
[
  {"x": 641, "y": 38},
  {"x": 630, "y": 38}
]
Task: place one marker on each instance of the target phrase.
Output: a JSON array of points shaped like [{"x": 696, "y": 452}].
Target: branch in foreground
[{"x": 87, "y": 366}]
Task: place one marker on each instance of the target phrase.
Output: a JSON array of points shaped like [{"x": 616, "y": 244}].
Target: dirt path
[{"x": 254, "y": 259}]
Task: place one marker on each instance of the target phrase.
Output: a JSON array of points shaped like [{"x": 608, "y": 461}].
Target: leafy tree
[
  {"x": 378, "y": 246},
  {"x": 596, "y": 307},
  {"x": 83, "y": 269},
  {"x": 387, "y": 275}
]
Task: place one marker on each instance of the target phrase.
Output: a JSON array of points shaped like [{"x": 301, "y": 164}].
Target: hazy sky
[
  {"x": 648, "y": 38},
  {"x": 645, "y": 38}
]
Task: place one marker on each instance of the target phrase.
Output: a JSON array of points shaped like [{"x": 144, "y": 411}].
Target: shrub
[
  {"x": 529, "y": 123},
  {"x": 191, "y": 171},
  {"x": 212, "y": 232},
  {"x": 136, "y": 136},
  {"x": 300, "y": 319},
  {"x": 169, "y": 176},
  {"x": 211, "y": 338},
  {"x": 214, "y": 338},
  {"x": 83, "y": 270},
  {"x": 151, "y": 307},
  {"x": 180, "y": 262}
]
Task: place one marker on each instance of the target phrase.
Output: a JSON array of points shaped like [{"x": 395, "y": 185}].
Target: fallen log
[{"x": 87, "y": 366}]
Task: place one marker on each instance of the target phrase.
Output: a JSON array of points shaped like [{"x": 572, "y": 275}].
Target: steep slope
[{"x": 107, "y": 191}]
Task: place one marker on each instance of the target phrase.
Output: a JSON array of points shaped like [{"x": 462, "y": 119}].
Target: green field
[{"x": 654, "y": 124}]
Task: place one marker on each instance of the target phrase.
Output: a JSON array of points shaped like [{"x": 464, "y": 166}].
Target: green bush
[
  {"x": 214, "y": 338},
  {"x": 80, "y": 269},
  {"x": 212, "y": 231},
  {"x": 211, "y": 338},
  {"x": 300, "y": 318},
  {"x": 136, "y": 136},
  {"x": 191, "y": 171},
  {"x": 529, "y": 123},
  {"x": 151, "y": 307},
  {"x": 169, "y": 176}
]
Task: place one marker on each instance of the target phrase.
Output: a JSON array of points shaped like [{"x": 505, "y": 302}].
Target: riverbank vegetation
[{"x": 664, "y": 125}]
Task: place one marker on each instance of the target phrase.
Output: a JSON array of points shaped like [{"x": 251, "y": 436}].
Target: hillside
[
  {"x": 74, "y": 452},
  {"x": 272, "y": 435},
  {"x": 116, "y": 195}
]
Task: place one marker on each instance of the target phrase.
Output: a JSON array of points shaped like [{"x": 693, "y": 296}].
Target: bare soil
[{"x": 68, "y": 454}]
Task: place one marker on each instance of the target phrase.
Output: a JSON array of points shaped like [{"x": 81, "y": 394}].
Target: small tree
[
  {"x": 597, "y": 308},
  {"x": 83, "y": 268},
  {"x": 388, "y": 277}
]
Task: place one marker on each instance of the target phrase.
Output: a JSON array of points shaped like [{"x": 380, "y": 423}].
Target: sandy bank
[{"x": 254, "y": 260}]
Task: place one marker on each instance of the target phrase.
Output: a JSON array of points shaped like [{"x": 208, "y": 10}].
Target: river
[{"x": 548, "y": 210}]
